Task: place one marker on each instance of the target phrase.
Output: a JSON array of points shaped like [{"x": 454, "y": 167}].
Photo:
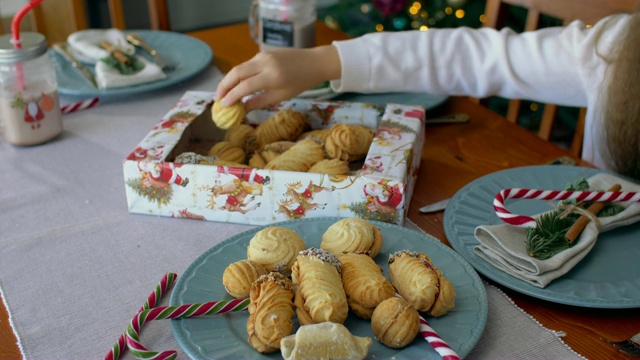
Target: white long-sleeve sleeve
[{"x": 560, "y": 65}]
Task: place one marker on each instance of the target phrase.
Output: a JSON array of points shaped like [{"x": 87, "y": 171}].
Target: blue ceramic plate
[
  {"x": 608, "y": 277},
  {"x": 188, "y": 54},
  {"x": 225, "y": 336}
]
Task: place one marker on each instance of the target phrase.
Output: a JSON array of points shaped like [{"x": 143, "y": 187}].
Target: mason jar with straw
[{"x": 29, "y": 104}]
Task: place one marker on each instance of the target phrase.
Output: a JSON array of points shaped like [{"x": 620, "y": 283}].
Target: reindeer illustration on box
[
  {"x": 303, "y": 199},
  {"x": 237, "y": 192}
]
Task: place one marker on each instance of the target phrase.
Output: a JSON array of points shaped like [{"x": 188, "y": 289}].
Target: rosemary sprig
[
  {"x": 582, "y": 184},
  {"x": 547, "y": 238},
  {"x": 132, "y": 67}
]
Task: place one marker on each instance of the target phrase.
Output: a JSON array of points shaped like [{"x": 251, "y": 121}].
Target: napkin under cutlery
[
  {"x": 504, "y": 247},
  {"x": 86, "y": 44}
]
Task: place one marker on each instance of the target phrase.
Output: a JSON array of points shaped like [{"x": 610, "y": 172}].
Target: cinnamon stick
[
  {"x": 583, "y": 220},
  {"x": 117, "y": 54}
]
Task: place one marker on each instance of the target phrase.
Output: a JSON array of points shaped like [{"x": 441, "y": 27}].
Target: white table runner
[{"x": 75, "y": 266}]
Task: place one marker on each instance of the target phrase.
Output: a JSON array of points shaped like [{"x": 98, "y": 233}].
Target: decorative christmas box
[{"x": 378, "y": 187}]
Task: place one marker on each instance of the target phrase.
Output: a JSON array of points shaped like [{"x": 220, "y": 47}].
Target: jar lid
[{"x": 33, "y": 45}]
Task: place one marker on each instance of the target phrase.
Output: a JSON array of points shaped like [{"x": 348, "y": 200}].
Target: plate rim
[
  {"x": 477, "y": 282},
  {"x": 146, "y": 87},
  {"x": 520, "y": 286}
]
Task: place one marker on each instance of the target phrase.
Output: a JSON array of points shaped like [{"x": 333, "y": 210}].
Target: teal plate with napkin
[
  {"x": 189, "y": 55},
  {"x": 607, "y": 277}
]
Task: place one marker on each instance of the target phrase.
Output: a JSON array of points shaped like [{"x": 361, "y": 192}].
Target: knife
[
  {"x": 63, "y": 49},
  {"x": 448, "y": 119},
  {"x": 136, "y": 40},
  {"x": 437, "y": 206}
]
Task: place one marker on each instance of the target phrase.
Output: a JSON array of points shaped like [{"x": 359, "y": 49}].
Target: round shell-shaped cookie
[
  {"x": 421, "y": 283},
  {"x": 320, "y": 134},
  {"x": 275, "y": 248},
  {"x": 225, "y": 150},
  {"x": 350, "y": 235},
  {"x": 286, "y": 124},
  {"x": 300, "y": 157},
  {"x": 257, "y": 161},
  {"x": 395, "y": 322},
  {"x": 227, "y": 116},
  {"x": 331, "y": 167},
  {"x": 348, "y": 142},
  {"x": 238, "y": 277},
  {"x": 237, "y": 135}
]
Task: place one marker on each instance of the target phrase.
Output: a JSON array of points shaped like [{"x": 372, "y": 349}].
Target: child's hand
[{"x": 281, "y": 74}]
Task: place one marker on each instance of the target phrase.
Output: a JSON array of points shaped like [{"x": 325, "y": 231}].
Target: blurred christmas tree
[{"x": 358, "y": 17}]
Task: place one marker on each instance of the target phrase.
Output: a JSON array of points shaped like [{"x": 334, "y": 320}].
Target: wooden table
[{"x": 457, "y": 154}]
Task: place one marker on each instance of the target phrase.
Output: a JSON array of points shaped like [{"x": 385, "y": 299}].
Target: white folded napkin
[
  {"x": 86, "y": 43},
  {"x": 109, "y": 77},
  {"x": 503, "y": 246}
]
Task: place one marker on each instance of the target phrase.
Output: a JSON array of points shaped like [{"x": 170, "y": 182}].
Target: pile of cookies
[
  {"x": 320, "y": 286},
  {"x": 282, "y": 142}
]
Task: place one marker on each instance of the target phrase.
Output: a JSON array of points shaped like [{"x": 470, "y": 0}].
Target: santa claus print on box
[
  {"x": 379, "y": 188},
  {"x": 141, "y": 153},
  {"x": 156, "y": 179}
]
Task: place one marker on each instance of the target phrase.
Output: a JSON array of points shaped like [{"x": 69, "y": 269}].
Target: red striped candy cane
[
  {"x": 174, "y": 312},
  {"x": 165, "y": 284},
  {"x": 80, "y": 105},
  {"x": 551, "y": 195},
  {"x": 436, "y": 342}
]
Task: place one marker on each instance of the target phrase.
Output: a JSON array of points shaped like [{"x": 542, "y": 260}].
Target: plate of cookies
[{"x": 330, "y": 288}]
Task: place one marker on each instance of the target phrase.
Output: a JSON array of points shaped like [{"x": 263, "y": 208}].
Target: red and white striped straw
[
  {"x": 80, "y": 105},
  {"x": 551, "y": 195},
  {"x": 436, "y": 342},
  {"x": 16, "y": 38}
]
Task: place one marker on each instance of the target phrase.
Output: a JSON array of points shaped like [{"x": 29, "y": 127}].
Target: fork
[
  {"x": 137, "y": 40},
  {"x": 630, "y": 346}
]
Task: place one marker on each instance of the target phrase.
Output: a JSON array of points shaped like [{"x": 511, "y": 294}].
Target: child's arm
[{"x": 282, "y": 74}]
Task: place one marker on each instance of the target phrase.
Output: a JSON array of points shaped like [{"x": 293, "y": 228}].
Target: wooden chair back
[
  {"x": 589, "y": 11},
  {"x": 46, "y": 17}
]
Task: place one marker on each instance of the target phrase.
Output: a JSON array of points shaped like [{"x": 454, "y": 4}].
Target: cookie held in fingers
[
  {"x": 395, "y": 322},
  {"x": 420, "y": 283},
  {"x": 228, "y": 116}
]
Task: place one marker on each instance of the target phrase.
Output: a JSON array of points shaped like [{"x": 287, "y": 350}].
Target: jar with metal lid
[
  {"x": 283, "y": 23},
  {"x": 29, "y": 103}
]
